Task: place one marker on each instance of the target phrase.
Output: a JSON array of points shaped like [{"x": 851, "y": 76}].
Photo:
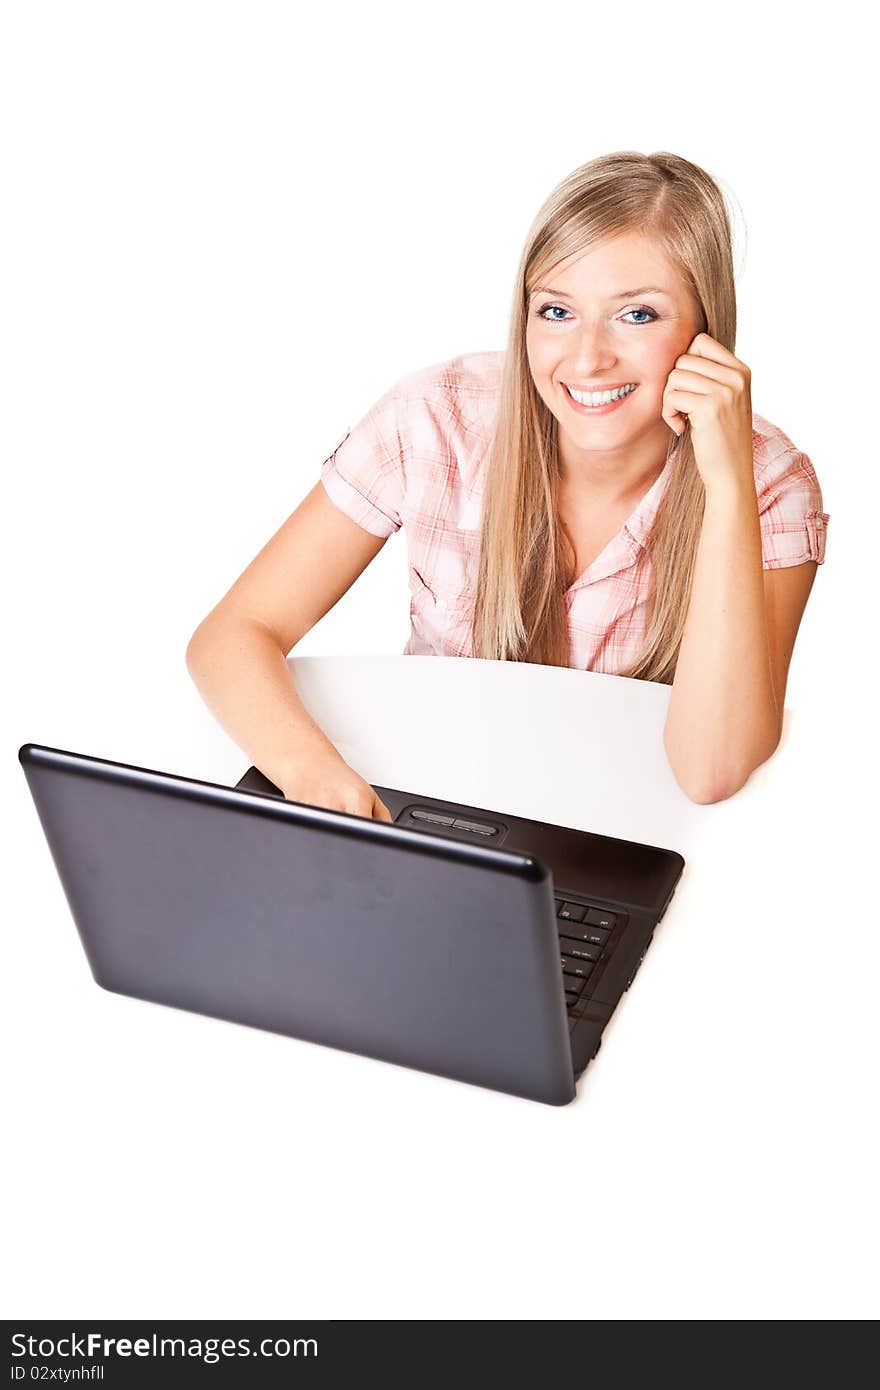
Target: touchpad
[{"x": 477, "y": 830}]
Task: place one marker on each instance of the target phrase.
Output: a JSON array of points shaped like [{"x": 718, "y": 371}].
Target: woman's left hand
[{"x": 709, "y": 390}]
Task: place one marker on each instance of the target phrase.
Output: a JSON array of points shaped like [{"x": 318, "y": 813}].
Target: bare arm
[
  {"x": 725, "y": 711},
  {"x": 242, "y": 675},
  {"x": 237, "y": 655}
]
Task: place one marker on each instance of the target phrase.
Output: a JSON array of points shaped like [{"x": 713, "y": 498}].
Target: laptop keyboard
[{"x": 584, "y": 933}]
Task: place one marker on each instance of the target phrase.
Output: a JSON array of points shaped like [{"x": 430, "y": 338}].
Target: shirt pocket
[{"x": 440, "y": 617}]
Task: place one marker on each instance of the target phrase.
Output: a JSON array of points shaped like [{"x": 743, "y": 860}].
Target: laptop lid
[{"x": 428, "y": 952}]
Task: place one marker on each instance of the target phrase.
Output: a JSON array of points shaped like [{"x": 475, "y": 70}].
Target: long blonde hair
[{"x": 525, "y": 563}]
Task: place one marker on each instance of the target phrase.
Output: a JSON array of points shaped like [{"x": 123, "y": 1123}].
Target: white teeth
[{"x": 599, "y": 397}]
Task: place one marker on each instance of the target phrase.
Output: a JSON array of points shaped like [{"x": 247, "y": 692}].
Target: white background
[{"x": 227, "y": 229}]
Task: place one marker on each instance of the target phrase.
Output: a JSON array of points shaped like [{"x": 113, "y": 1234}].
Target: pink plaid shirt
[{"x": 417, "y": 459}]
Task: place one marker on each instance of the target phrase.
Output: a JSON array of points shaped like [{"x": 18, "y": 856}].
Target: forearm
[
  {"x": 242, "y": 675},
  {"x": 722, "y": 719}
]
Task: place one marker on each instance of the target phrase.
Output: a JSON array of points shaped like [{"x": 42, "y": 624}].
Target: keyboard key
[
  {"x": 573, "y": 983},
  {"x": 582, "y": 950},
  {"x": 571, "y": 966},
  {"x": 598, "y": 917},
  {"x": 571, "y": 912},
  {"x": 595, "y": 935}
]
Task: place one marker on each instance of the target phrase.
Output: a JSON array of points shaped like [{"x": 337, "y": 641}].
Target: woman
[{"x": 599, "y": 495}]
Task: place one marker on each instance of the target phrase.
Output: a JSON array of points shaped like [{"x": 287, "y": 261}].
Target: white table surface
[{"x": 717, "y": 1162}]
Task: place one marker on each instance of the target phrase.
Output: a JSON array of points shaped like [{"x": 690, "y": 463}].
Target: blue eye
[{"x": 643, "y": 309}]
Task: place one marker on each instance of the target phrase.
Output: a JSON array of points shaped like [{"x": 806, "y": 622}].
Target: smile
[{"x": 599, "y": 402}]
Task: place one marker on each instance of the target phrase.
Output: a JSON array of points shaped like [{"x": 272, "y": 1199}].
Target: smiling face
[{"x": 587, "y": 329}]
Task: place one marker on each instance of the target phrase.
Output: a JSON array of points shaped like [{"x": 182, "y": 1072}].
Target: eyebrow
[{"x": 621, "y": 294}]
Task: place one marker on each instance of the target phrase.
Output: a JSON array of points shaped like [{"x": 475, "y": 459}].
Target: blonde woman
[{"x": 598, "y": 495}]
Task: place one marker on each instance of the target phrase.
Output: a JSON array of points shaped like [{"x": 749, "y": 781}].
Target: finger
[
  {"x": 678, "y": 405},
  {"x": 708, "y": 347},
  {"x": 725, "y": 373},
  {"x": 676, "y": 422},
  {"x": 681, "y": 401},
  {"x": 676, "y": 419},
  {"x": 689, "y": 380}
]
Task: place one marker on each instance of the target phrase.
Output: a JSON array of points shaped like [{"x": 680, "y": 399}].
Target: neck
[{"x": 612, "y": 477}]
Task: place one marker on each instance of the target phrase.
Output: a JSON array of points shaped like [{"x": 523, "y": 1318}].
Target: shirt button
[{"x": 819, "y": 523}]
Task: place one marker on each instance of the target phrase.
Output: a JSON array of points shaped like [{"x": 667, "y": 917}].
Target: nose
[{"x": 594, "y": 351}]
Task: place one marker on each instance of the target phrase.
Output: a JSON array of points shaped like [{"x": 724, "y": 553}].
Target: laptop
[{"x": 457, "y": 940}]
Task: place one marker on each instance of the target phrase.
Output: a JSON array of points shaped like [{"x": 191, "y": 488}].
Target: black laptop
[{"x": 460, "y": 941}]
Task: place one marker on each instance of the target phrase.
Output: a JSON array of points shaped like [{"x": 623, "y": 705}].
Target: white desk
[
  {"x": 715, "y": 1161},
  {"x": 558, "y": 745}
]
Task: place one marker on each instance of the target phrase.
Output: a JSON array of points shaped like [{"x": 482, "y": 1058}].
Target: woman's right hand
[{"x": 328, "y": 781}]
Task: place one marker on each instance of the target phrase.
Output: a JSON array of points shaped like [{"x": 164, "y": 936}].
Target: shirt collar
[
  {"x": 622, "y": 552},
  {"x": 639, "y": 524}
]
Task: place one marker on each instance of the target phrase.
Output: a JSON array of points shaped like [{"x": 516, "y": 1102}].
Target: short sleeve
[
  {"x": 793, "y": 524},
  {"x": 365, "y": 475}
]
